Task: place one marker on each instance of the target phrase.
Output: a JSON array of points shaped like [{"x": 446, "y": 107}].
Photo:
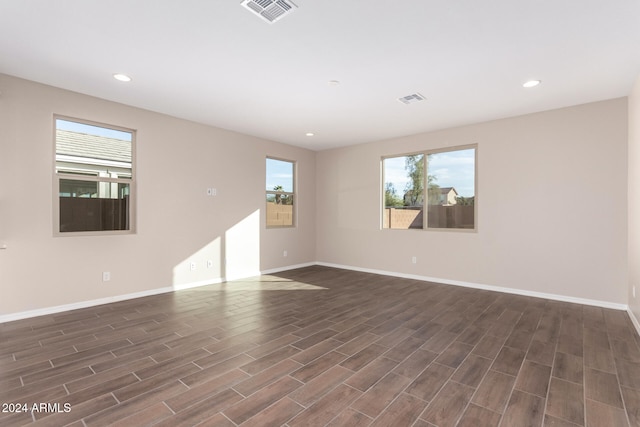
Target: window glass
[
  {"x": 94, "y": 176},
  {"x": 451, "y": 189},
  {"x": 93, "y": 206},
  {"x": 92, "y": 150},
  {"x": 280, "y": 194},
  {"x": 404, "y": 192},
  {"x": 445, "y": 177}
]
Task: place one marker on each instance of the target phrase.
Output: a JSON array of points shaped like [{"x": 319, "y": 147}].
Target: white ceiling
[{"x": 213, "y": 62}]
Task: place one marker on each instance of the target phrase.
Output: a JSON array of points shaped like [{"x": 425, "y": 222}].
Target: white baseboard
[
  {"x": 634, "y": 320},
  {"x": 289, "y": 267},
  {"x": 4, "y": 318},
  {"x": 183, "y": 286},
  {"x": 555, "y": 297},
  {"x": 85, "y": 304}
]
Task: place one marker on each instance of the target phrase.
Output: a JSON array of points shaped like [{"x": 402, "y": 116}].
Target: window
[
  {"x": 444, "y": 180},
  {"x": 94, "y": 177},
  {"x": 280, "y": 187}
]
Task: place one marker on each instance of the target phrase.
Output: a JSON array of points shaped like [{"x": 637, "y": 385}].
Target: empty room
[{"x": 320, "y": 213}]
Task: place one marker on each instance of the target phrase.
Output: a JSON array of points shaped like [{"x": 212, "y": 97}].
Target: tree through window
[
  {"x": 446, "y": 179},
  {"x": 280, "y": 193}
]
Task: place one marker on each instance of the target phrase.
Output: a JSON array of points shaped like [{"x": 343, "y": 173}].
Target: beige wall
[
  {"x": 177, "y": 160},
  {"x": 552, "y": 206},
  {"x": 634, "y": 199}
]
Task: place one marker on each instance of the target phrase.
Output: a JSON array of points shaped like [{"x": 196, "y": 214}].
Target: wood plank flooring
[{"x": 320, "y": 346}]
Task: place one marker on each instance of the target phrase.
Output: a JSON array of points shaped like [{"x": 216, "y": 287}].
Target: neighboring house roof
[
  {"x": 92, "y": 146},
  {"x": 446, "y": 190}
]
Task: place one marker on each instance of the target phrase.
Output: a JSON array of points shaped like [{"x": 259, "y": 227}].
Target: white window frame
[
  {"x": 58, "y": 176},
  {"x": 293, "y": 193},
  {"x": 425, "y": 219}
]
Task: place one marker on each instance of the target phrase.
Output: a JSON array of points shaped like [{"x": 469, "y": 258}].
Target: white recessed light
[
  {"x": 122, "y": 77},
  {"x": 333, "y": 82},
  {"x": 309, "y": 133},
  {"x": 531, "y": 83}
]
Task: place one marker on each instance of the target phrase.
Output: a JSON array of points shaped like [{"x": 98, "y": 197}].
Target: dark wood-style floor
[{"x": 321, "y": 346}]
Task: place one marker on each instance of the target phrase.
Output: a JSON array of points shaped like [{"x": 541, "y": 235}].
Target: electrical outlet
[
  {"x": 284, "y": 254},
  {"x": 192, "y": 266},
  {"x": 209, "y": 263},
  {"x": 106, "y": 276},
  {"x": 414, "y": 260}
]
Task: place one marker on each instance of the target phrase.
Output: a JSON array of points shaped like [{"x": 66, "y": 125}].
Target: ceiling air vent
[
  {"x": 270, "y": 10},
  {"x": 411, "y": 99}
]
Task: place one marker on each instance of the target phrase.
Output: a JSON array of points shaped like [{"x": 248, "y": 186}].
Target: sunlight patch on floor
[{"x": 263, "y": 283}]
